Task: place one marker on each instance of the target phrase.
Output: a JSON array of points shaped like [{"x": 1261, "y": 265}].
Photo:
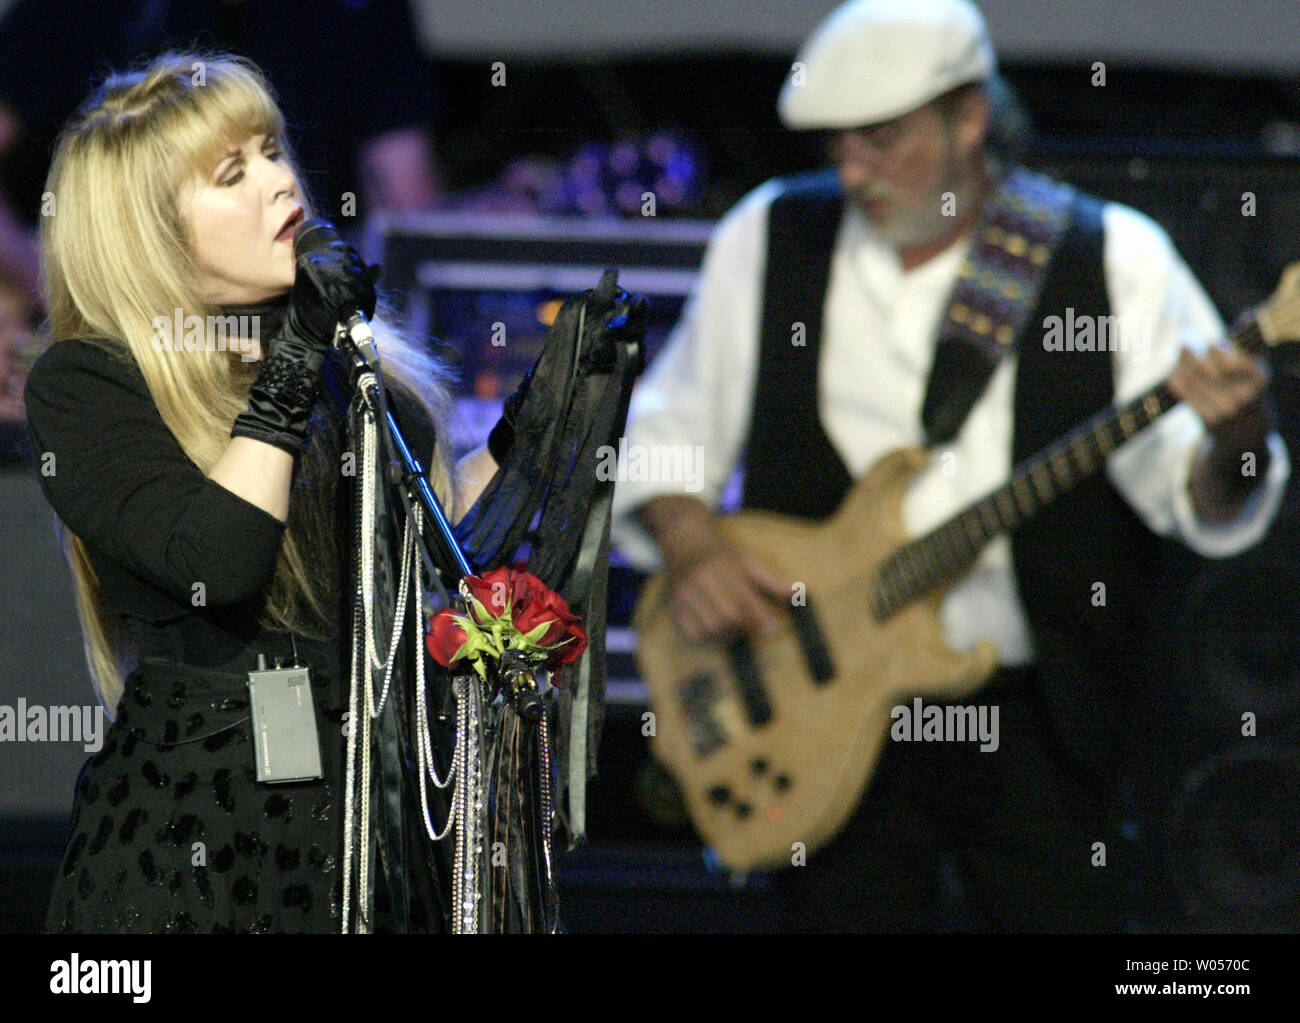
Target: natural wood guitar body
[{"x": 754, "y": 788}]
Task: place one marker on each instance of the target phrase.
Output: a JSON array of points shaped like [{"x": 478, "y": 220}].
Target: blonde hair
[{"x": 117, "y": 253}]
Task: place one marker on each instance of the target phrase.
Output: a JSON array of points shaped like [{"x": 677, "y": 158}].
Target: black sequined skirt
[{"x": 171, "y": 832}]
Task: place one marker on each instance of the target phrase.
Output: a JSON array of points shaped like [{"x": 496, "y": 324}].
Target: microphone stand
[
  {"x": 354, "y": 339},
  {"x": 405, "y": 474},
  {"x": 463, "y": 888},
  {"x": 502, "y": 749}
]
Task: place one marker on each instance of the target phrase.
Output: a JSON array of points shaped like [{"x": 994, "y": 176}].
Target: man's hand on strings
[
  {"x": 1229, "y": 391},
  {"x": 717, "y": 590}
]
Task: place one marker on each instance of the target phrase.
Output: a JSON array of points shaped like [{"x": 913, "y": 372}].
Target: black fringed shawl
[{"x": 548, "y": 507}]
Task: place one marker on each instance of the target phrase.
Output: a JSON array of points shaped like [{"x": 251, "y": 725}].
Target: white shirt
[{"x": 878, "y": 340}]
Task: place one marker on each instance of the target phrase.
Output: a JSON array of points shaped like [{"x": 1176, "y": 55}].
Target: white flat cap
[{"x": 874, "y": 60}]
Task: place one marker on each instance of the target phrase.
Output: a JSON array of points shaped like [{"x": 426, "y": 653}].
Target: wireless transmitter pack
[{"x": 285, "y": 741}]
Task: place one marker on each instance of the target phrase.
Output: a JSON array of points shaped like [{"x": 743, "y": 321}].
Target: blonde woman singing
[{"x": 195, "y": 468}]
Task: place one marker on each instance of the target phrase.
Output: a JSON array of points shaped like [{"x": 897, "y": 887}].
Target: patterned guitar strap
[{"x": 997, "y": 289}]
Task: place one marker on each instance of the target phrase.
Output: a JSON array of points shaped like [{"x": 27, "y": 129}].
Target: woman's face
[{"x": 242, "y": 215}]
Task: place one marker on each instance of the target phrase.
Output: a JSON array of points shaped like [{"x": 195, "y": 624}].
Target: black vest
[{"x": 1088, "y": 639}]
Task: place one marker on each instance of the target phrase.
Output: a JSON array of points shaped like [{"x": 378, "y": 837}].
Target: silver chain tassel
[
  {"x": 467, "y": 809},
  {"x": 357, "y": 822},
  {"x": 363, "y": 706},
  {"x": 465, "y": 776}
]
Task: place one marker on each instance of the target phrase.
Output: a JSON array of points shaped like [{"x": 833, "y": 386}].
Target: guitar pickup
[
  {"x": 749, "y": 682},
  {"x": 816, "y": 652},
  {"x": 699, "y": 695}
]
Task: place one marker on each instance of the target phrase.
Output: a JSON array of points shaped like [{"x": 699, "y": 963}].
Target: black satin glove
[
  {"x": 611, "y": 314},
  {"x": 329, "y": 285}
]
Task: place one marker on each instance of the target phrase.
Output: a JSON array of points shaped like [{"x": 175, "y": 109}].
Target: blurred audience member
[
  {"x": 17, "y": 352},
  {"x": 16, "y": 338}
]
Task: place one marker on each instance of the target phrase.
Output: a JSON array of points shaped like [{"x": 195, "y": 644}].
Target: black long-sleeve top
[
  {"x": 153, "y": 524},
  {"x": 178, "y": 762}
]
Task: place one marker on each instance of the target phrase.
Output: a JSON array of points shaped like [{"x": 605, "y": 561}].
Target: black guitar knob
[
  {"x": 719, "y": 795},
  {"x": 758, "y": 765},
  {"x": 743, "y": 810},
  {"x": 781, "y": 782}
]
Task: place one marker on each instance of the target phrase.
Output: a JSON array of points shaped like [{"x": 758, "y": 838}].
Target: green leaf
[
  {"x": 468, "y": 624},
  {"x": 481, "y": 614},
  {"x": 534, "y": 635}
]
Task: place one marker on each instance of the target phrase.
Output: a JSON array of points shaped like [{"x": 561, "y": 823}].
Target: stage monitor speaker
[
  {"x": 1235, "y": 220},
  {"x": 41, "y": 659},
  {"x": 1220, "y": 789}
]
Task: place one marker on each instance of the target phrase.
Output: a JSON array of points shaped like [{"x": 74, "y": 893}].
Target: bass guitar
[{"x": 773, "y": 739}]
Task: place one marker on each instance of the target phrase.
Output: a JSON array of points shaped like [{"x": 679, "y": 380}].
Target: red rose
[
  {"x": 500, "y": 588},
  {"x": 491, "y": 590},
  {"x": 572, "y": 650},
  {"x": 532, "y": 605},
  {"x": 445, "y": 637},
  {"x": 524, "y": 584},
  {"x": 545, "y": 606}
]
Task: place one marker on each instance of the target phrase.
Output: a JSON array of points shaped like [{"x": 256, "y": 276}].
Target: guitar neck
[{"x": 947, "y": 551}]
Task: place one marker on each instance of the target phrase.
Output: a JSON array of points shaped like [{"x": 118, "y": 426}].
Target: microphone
[{"x": 312, "y": 236}]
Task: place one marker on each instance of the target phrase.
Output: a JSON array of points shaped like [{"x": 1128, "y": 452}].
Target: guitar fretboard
[{"x": 947, "y": 551}]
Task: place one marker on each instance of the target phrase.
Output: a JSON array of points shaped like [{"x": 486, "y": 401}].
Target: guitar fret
[
  {"x": 1024, "y": 496},
  {"x": 947, "y": 563},
  {"x": 909, "y": 572},
  {"x": 888, "y": 596},
  {"x": 919, "y": 566},
  {"x": 926, "y": 554},
  {"x": 955, "y": 544},
  {"x": 891, "y": 589},
  {"x": 953, "y": 551},
  {"x": 1041, "y": 483},
  {"x": 972, "y": 539},
  {"x": 1006, "y": 508},
  {"x": 1083, "y": 459},
  {"x": 891, "y": 585},
  {"x": 985, "y": 509},
  {"x": 1061, "y": 470},
  {"x": 1095, "y": 449},
  {"x": 924, "y": 558}
]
